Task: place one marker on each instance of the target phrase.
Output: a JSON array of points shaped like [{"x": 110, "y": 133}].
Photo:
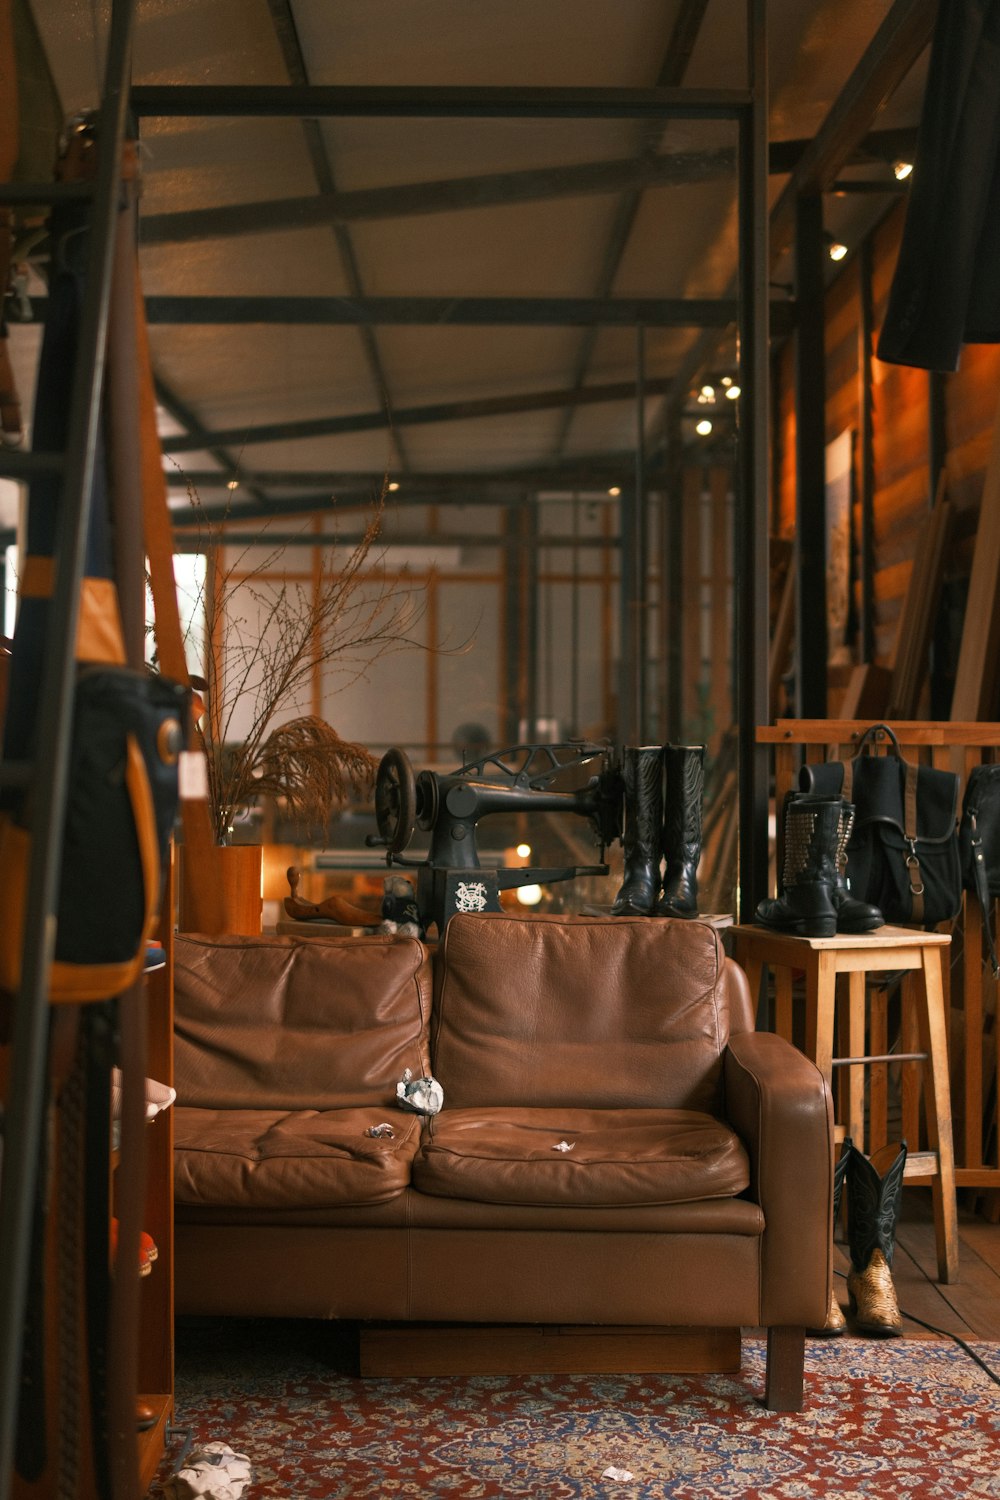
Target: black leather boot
[
  {"x": 642, "y": 777},
  {"x": 874, "y": 1197},
  {"x": 806, "y": 906},
  {"x": 684, "y": 766},
  {"x": 852, "y": 915},
  {"x": 836, "y": 1323}
]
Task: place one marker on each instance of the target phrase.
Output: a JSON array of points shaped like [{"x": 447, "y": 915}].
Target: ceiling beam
[
  {"x": 892, "y": 52},
  {"x": 552, "y": 312},
  {"x": 441, "y": 411},
  {"x": 673, "y": 65},
  {"x": 448, "y": 195},
  {"x": 586, "y": 472},
  {"x": 488, "y": 190},
  {"x": 319, "y": 101},
  {"x": 181, "y": 413},
  {"x": 422, "y": 541},
  {"x": 286, "y": 31},
  {"x": 846, "y": 135}
]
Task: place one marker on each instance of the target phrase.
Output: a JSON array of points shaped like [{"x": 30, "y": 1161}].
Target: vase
[{"x": 236, "y": 877}]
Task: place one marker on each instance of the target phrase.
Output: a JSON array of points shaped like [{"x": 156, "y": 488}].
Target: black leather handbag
[
  {"x": 903, "y": 851},
  {"x": 979, "y": 845}
]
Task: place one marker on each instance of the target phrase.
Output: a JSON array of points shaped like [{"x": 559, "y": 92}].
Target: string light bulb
[
  {"x": 703, "y": 428},
  {"x": 901, "y": 170},
  {"x": 837, "y": 250}
]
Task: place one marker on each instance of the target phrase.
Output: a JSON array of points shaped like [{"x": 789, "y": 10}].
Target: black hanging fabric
[{"x": 945, "y": 290}]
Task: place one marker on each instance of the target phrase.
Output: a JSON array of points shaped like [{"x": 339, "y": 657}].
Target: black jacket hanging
[{"x": 946, "y": 286}]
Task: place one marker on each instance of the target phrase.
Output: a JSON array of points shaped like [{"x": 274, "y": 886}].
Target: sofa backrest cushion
[
  {"x": 277, "y": 1023},
  {"x": 602, "y": 1012}
]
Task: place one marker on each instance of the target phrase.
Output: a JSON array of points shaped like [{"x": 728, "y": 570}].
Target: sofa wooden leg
[{"x": 786, "y": 1352}]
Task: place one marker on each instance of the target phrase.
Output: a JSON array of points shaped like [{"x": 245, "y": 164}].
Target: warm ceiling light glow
[
  {"x": 727, "y": 380},
  {"x": 233, "y": 484},
  {"x": 837, "y": 250},
  {"x": 902, "y": 170},
  {"x": 707, "y": 393},
  {"x": 703, "y": 428},
  {"x": 522, "y": 851},
  {"x": 733, "y": 393},
  {"x": 614, "y": 490},
  {"x": 394, "y": 485}
]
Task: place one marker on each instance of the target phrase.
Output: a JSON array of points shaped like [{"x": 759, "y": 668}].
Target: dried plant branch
[{"x": 270, "y": 637}]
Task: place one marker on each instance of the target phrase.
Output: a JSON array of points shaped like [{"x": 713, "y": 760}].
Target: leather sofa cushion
[
  {"x": 616, "y": 1157},
  {"x": 257, "y": 1158},
  {"x": 600, "y": 1011},
  {"x": 274, "y": 1023}
]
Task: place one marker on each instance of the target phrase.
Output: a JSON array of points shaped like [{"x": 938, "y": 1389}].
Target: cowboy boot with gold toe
[{"x": 874, "y": 1197}]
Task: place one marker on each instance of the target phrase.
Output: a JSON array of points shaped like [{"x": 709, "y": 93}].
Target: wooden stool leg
[
  {"x": 937, "y": 1105},
  {"x": 911, "y": 1085},
  {"x": 878, "y": 1082},
  {"x": 753, "y": 967},
  {"x": 783, "y": 1017},
  {"x": 821, "y": 995},
  {"x": 856, "y": 1043}
]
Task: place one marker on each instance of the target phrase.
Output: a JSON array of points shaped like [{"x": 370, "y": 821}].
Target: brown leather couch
[{"x": 617, "y": 1146}]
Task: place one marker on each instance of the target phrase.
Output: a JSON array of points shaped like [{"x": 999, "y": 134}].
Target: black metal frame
[{"x": 25, "y": 1120}]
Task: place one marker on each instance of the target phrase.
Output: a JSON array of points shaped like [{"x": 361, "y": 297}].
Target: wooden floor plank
[
  {"x": 974, "y": 1296},
  {"x": 984, "y": 1239}
]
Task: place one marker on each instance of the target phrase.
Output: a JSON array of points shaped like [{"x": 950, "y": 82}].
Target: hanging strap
[{"x": 983, "y": 892}]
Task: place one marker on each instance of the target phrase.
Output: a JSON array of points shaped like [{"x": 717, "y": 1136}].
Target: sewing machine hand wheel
[{"x": 395, "y": 800}]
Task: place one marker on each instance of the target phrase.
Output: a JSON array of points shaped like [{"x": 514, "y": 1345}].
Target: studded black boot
[
  {"x": 852, "y": 915},
  {"x": 684, "y": 766},
  {"x": 642, "y": 777},
  {"x": 806, "y": 906}
]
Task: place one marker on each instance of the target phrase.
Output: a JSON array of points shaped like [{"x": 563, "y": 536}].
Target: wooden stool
[{"x": 887, "y": 950}]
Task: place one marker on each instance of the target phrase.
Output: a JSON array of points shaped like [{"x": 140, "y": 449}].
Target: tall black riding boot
[
  {"x": 836, "y": 1323},
  {"x": 642, "y": 776},
  {"x": 874, "y": 1197},
  {"x": 806, "y": 906},
  {"x": 852, "y": 915},
  {"x": 685, "y": 784}
]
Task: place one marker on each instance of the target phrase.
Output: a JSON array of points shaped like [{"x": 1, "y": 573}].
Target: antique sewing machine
[{"x": 449, "y": 806}]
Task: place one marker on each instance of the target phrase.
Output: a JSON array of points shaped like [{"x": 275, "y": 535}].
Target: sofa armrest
[{"x": 779, "y": 1104}]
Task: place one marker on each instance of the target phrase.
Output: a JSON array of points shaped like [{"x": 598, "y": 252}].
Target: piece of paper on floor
[{"x": 621, "y": 1476}]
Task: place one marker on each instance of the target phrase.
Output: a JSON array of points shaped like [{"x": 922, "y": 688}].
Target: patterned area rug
[{"x": 913, "y": 1420}]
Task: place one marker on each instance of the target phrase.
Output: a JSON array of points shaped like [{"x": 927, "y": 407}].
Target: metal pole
[
  {"x": 866, "y": 404},
  {"x": 25, "y": 1110},
  {"x": 639, "y": 603},
  {"x": 751, "y": 572},
  {"x": 810, "y": 475}
]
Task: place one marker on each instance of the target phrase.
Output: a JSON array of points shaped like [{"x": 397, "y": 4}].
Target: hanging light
[
  {"x": 837, "y": 250},
  {"x": 733, "y": 393},
  {"x": 394, "y": 485},
  {"x": 233, "y": 484},
  {"x": 901, "y": 170},
  {"x": 706, "y": 394},
  {"x": 703, "y": 428},
  {"x": 614, "y": 490}
]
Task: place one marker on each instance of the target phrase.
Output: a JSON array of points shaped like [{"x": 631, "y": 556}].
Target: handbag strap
[
  {"x": 913, "y": 872},
  {"x": 910, "y": 834}
]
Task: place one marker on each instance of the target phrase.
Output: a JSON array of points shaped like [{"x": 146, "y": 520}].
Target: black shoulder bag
[
  {"x": 979, "y": 845},
  {"x": 903, "y": 851}
]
